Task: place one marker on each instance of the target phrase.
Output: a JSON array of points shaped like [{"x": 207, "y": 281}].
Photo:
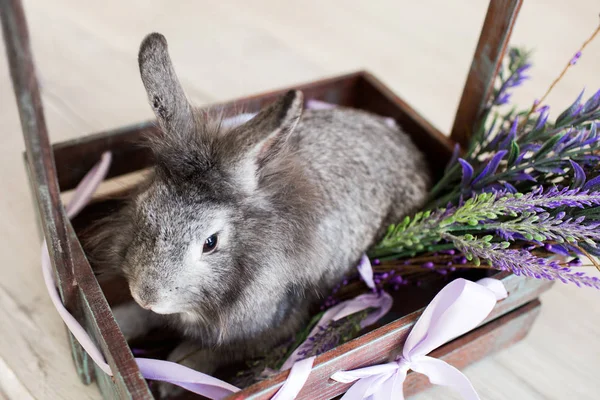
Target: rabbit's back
[{"x": 368, "y": 173}]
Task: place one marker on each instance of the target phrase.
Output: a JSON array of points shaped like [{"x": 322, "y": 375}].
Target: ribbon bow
[{"x": 458, "y": 308}]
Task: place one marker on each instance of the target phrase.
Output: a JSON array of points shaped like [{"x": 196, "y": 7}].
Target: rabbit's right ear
[
  {"x": 263, "y": 136},
  {"x": 165, "y": 93}
]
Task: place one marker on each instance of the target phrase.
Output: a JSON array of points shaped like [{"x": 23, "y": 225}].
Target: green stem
[
  {"x": 441, "y": 184},
  {"x": 389, "y": 254},
  {"x": 463, "y": 228},
  {"x": 443, "y": 201}
]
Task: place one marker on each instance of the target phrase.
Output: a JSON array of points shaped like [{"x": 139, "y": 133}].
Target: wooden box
[{"x": 54, "y": 169}]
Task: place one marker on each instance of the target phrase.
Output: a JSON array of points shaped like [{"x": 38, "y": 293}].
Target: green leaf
[
  {"x": 514, "y": 152},
  {"x": 548, "y": 145},
  {"x": 568, "y": 113},
  {"x": 548, "y": 169}
]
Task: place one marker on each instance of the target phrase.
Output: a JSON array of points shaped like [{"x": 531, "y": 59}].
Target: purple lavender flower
[
  {"x": 334, "y": 334},
  {"x": 503, "y": 99},
  {"x": 522, "y": 262},
  {"x": 515, "y": 79},
  {"x": 428, "y": 265},
  {"x": 543, "y": 227},
  {"x": 575, "y": 58}
]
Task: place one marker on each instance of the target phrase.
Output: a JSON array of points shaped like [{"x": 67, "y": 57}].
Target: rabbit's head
[{"x": 199, "y": 224}]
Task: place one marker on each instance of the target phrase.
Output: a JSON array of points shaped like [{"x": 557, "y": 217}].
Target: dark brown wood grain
[
  {"x": 100, "y": 323},
  {"x": 359, "y": 90},
  {"x": 40, "y": 162},
  {"x": 493, "y": 40}
]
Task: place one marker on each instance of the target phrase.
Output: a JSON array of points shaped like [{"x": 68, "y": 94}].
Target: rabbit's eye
[{"x": 210, "y": 244}]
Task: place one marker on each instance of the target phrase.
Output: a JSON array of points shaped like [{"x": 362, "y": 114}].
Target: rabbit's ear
[
  {"x": 165, "y": 93},
  {"x": 265, "y": 135}
]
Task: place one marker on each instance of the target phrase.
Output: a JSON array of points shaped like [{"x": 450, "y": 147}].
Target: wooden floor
[{"x": 86, "y": 59}]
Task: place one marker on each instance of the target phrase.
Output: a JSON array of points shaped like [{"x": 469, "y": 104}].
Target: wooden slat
[
  {"x": 100, "y": 323},
  {"x": 39, "y": 155},
  {"x": 461, "y": 352},
  {"x": 494, "y": 38},
  {"x": 360, "y": 89}
]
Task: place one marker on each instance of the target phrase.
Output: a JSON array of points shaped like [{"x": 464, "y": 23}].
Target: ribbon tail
[
  {"x": 296, "y": 379},
  {"x": 187, "y": 378},
  {"x": 392, "y": 389},
  {"x": 496, "y": 286},
  {"x": 365, "y": 388},
  {"x": 441, "y": 373}
]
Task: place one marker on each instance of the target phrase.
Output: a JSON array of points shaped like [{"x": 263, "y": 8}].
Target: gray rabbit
[{"x": 240, "y": 230}]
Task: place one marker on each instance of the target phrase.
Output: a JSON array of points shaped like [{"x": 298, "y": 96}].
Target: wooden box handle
[{"x": 495, "y": 35}]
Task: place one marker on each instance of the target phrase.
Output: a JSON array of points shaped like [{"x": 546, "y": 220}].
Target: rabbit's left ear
[
  {"x": 166, "y": 96},
  {"x": 264, "y": 136}
]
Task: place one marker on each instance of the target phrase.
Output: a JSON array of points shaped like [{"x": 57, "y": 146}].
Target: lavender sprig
[
  {"x": 496, "y": 221},
  {"x": 425, "y": 231},
  {"x": 517, "y": 66},
  {"x": 543, "y": 227},
  {"x": 327, "y": 338},
  {"x": 521, "y": 151},
  {"x": 522, "y": 163},
  {"x": 520, "y": 262},
  {"x": 334, "y": 334}
]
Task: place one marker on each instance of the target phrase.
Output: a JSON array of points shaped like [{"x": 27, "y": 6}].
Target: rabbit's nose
[
  {"x": 142, "y": 302},
  {"x": 143, "y": 296}
]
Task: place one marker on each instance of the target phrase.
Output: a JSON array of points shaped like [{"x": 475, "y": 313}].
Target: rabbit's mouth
[
  {"x": 163, "y": 309},
  {"x": 161, "y": 306}
]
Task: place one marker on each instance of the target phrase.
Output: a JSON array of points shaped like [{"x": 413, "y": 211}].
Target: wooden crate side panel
[
  {"x": 383, "y": 343},
  {"x": 99, "y": 322},
  {"x": 461, "y": 352}
]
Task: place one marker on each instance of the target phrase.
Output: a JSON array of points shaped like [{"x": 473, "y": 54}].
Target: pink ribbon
[
  {"x": 458, "y": 308},
  {"x": 296, "y": 379}
]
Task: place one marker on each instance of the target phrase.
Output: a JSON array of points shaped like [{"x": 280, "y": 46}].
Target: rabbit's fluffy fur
[{"x": 294, "y": 198}]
